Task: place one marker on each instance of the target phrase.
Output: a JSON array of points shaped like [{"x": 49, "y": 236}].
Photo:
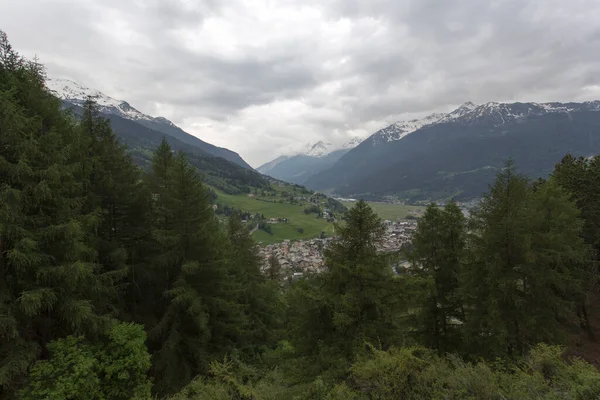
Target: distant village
[
  {"x": 297, "y": 258},
  {"x": 300, "y": 257}
]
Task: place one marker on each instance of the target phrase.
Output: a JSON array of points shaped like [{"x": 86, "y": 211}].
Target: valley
[
  {"x": 452, "y": 254},
  {"x": 392, "y": 211},
  {"x": 283, "y": 211}
]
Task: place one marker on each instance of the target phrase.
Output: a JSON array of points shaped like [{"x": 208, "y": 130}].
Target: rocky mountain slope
[
  {"x": 459, "y": 153},
  {"x": 76, "y": 94}
]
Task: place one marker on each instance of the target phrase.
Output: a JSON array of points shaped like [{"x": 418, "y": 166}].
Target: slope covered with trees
[
  {"x": 216, "y": 171},
  {"x": 120, "y": 283}
]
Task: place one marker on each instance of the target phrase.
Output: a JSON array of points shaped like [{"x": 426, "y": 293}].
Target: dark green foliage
[
  {"x": 227, "y": 174},
  {"x": 581, "y": 178},
  {"x": 117, "y": 193},
  {"x": 525, "y": 266},
  {"x": 312, "y": 209},
  {"x": 416, "y": 373},
  {"x": 437, "y": 256},
  {"x": 188, "y": 274},
  {"x": 114, "y": 368},
  {"x": 258, "y": 295},
  {"x": 356, "y": 300},
  {"x": 96, "y": 253},
  {"x": 50, "y": 283}
]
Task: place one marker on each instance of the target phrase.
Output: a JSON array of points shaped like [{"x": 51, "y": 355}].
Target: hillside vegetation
[
  {"x": 119, "y": 283},
  {"x": 141, "y": 141},
  {"x": 391, "y": 211},
  {"x": 284, "y": 202}
]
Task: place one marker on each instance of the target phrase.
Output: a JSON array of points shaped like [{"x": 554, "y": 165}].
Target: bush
[
  {"x": 113, "y": 369},
  {"x": 300, "y": 230},
  {"x": 312, "y": 210},
  {"x": 416, "y": 373}
]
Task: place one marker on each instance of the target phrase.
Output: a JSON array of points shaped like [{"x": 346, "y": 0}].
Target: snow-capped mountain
[
  {"x": 458, "y": 154},
  {"x": 352, "y": 143},
  {"x": 318, "y": 149},
  {"x": 399, "y": 130},
  {"x": 321, "y": 149},
  {"x": 74, "y": 93},
  {"x": 298, "y": 166},
  {"x": 77, "y": 94},
  {"x": 491, "y": 113}
]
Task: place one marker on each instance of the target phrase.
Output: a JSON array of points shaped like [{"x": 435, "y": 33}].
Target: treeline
[
  {"x": 112, "y": 281},
  {"x": 117, "y": 283}
]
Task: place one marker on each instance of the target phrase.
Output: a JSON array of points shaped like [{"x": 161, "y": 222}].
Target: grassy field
[
  {"x": 311, "y": 225},
  {"x": 391, "y": 211}
]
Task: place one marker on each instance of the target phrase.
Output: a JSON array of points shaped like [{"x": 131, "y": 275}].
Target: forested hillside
[
  {"x": 216, "y": 171},
  {"x": 120, "y": 283}
]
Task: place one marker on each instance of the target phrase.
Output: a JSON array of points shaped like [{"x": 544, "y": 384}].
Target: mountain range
[
  {"x": 458, "y": 154},
  {"x": 74, "y": 93},
  {"x": 221, "y": 168},
  {"x": 313, "y": 158}
]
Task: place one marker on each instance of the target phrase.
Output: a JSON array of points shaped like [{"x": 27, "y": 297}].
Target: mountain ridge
[
  {"x": 75, "y": 93},
  {"x": 433, "y": 160},
  {"x": 298, "y": 166}
]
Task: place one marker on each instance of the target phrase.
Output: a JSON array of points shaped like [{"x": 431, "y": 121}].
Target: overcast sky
[{"x": 259, "y": 76}]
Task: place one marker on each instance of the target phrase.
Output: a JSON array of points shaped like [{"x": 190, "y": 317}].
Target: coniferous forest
[{"x": 118, "y": 283}]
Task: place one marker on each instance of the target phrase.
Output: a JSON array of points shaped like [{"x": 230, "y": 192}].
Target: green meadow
[{"x": 310, "y": 225}]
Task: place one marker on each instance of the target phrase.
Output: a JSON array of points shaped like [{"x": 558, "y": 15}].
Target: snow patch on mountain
[
  {"x": 352, "y": 143},
  {"x": 318, "y": 149},
  {"x": 401, "y": 129},
  {"x": 77, "y": 94},
  {"x": 491, "y": 113},
  {"x": 322, "y": 149}
]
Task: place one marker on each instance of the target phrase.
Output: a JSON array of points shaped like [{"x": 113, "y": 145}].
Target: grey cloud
[{"x": 271, "y": 74}]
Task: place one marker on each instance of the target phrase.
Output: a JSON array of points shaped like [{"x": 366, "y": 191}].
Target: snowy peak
[
  {"x": 352, "y": 143},
  {"x": 322, "y": 149},
  {"x": 75, "y": 93},
  {"x": 318, "y": 149},
  {"x": 464, "y": 109},
  {"x": 401, "y": 129},
  {"x": 492, "y": 113}
]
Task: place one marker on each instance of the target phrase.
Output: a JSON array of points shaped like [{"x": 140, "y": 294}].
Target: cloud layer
[{"x": 261, "y": 76}]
